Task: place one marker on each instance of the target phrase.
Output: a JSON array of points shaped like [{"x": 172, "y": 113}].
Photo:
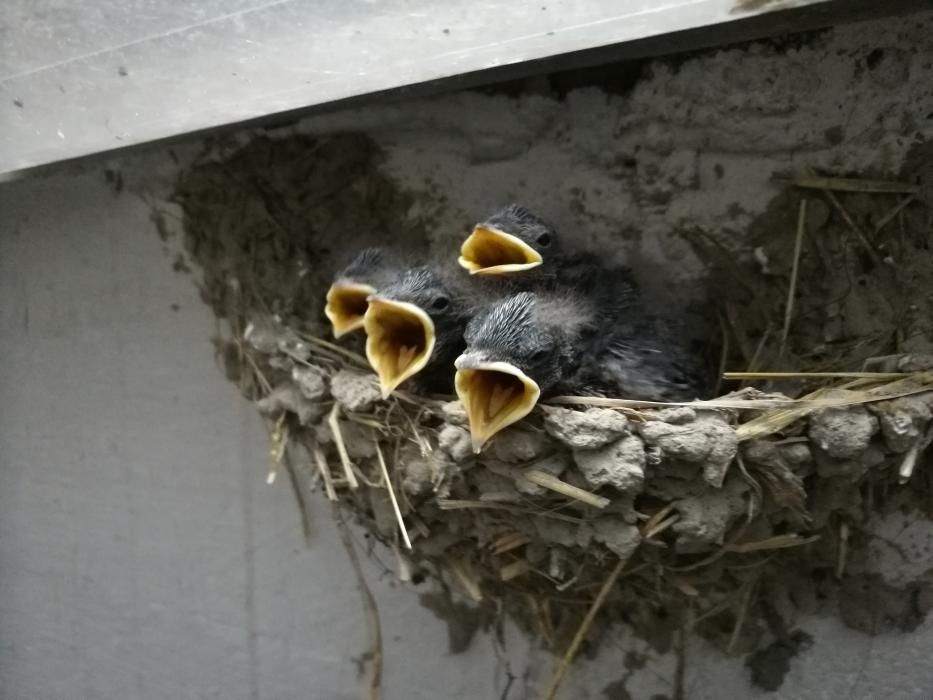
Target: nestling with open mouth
[
  {"x": 371, "y": 270},
  {"x": 415, "y": 327},
  {"x": 511, "y": 240},
  {"x": 538, "y": 344}
]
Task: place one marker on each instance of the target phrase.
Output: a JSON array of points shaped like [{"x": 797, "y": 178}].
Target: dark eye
[
  {"x": 440, "y": 303},
  {"x": 544, "y": 240},
  {"x": 539, "y": 355}
]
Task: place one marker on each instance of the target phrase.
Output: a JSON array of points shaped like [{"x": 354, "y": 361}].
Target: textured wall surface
[{"x": 143, "y": 556}]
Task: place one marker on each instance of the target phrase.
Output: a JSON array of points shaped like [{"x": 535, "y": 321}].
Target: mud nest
[{"x": 726, "y": 518}]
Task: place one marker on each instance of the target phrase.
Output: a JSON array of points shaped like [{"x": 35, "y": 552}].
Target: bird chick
[
  {"x": 511, "y": 240},
  {"x": 517, "y": 349},
  {"x": 535, "y": 344},
  {"x": 371, "y": 270},
  {"x": 416, "y": 324}
]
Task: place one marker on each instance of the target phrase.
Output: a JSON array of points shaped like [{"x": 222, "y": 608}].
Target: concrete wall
[{"x": 141, "y": 553}]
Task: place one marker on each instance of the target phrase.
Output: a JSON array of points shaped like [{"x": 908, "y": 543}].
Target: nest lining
[{"x": 697, "y": 516}]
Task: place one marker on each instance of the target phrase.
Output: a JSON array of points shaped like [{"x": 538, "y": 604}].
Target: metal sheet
[{"x": 80, "y": 78}]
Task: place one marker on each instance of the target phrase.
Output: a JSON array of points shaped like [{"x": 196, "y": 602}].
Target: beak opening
[
  {"x": 495, "y": 395},
  {"x": 489, "y": 251},
  {"x": 399, "y": 341},
  {"x": 346, "y": 306}
]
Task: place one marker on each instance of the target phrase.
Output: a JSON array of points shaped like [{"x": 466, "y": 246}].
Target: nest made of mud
[{"x": 726, "y": 517}]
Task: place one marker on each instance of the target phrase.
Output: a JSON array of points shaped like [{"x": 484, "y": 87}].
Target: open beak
[
  {"x": 489, "y": 251},
  {"x": 495, "y": 395},
  {"x": 346, "y": 305},
  {"x": 399, "y": 340}
]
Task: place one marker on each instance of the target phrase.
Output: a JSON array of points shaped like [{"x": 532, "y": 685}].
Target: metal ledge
[{"x": 108, "y": 74}]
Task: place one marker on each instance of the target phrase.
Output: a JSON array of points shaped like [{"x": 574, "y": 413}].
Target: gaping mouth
[
  {"x": 399, "y": 341},
  {"x": 489, "y": 251},
  {"x": 346, "y": 306},
  {"x": 495, "y": 395}
]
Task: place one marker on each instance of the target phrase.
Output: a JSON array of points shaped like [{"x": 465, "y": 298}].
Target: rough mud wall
[{"x": 695, "y": 143}]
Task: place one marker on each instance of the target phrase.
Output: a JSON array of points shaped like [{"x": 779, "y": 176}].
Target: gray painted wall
[{"x": 141, "y": 553}]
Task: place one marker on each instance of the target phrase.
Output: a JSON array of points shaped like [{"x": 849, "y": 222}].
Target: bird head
[
  {"x": 346, "y": 298},
  {"x": 517, "y": 349},
  {"x": 407, "y": 323},
  {"x": 511, "y": 240}
]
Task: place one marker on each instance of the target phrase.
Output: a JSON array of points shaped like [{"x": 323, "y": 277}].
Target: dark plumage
[
  {"x": 570, "y": 343},
  {"x": 510, "y": 241},
  {"x": 371, "y": 270},
  {"x": 518, "y": 221},
  {"x": 544, "y": 335},
  {"x": 415, "y": 325},
  {"x": 518, "y": 244},
  {"x": 562, "y": 341}
]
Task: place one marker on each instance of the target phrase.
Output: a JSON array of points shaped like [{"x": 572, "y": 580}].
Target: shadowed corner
[
  {"x": 346, "y": 306},
  {"x": 399, "y": 341},
  {"x": 495, "y": 395},
  {"x": 489, "y": 251}
]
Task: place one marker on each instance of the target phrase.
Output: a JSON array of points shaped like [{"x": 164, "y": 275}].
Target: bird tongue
[
  {"x": 405, "y": 356},
  {"x": 498, "y": 398}
]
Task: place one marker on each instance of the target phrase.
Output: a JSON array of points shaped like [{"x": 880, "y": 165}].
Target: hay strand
[
  {"x": 891, "y": 215},
  {"x": 747, "y": 588},
  {"x": 906, "y": 469},
  {"x": 388, "y": 482},
  {"x": 509, "y": 541},
  {"x": 843, "y": 552},
  {"x": 514, "y": 569},
  {"x": 466, "y": 580},
  {"x": 879, "y": 376},
  {"x": 551, "y": 482},
  {"x": 846, "y": 184},
  {"x": 324, "y": 469},
  {"x": 775, "y": 421},
  {"x": 795, "y": 270},
  {"x": 334, "y": 423},
  {"x": 776, "y": 542},
  {"x": 854, "y": 227}
]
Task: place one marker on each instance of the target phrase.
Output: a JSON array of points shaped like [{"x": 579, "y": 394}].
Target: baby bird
[
  {"x": 511, "y": 240},
  {"x": 546, "y": 343},
  {"x": 416, "y": 325},
  {"x": 371, "y": 270}
]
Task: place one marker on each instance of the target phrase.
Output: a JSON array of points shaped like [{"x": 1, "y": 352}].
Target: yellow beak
[
  {"x": 346, "y": 305},
  {"x": 489, "y": 251},
  {"x": 495, "y": 395},
  {"x": 399, "y": 341}
]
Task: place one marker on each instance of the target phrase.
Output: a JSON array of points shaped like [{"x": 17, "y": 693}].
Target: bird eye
[
  {"x": 539, "y": 355},
  {"x": 440, "y": 303},
  {"x": 544, "y": 240}
]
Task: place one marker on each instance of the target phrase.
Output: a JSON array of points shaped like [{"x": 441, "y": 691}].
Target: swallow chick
[
  {"x": 416, "y": 326},
  {"x": 372, "y": 269},
  {"x": 535, "y": 344},
  {"x": 511, "y": 240},
  {"x": 517, "y": 349}
]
